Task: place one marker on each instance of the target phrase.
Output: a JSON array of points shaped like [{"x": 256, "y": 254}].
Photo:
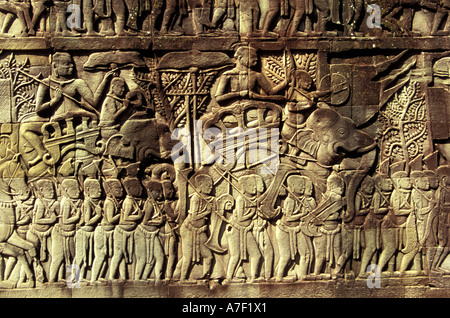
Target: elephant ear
[{"x": 307, "y": 141}]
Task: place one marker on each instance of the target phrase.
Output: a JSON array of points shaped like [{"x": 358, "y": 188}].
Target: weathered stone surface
[{"x": 244, "y": 149}]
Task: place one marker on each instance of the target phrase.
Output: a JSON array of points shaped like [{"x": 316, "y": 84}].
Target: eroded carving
[{"x": 252, "y": 161}]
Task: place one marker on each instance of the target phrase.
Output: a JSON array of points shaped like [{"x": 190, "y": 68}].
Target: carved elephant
[
  {"x": 141, "y": 139},
  {"x": 327, "y": 137},
  {"x": 324, "y": 140}
]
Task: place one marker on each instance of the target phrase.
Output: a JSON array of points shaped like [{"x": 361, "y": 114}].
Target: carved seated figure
[
  {"x": 113, "y": 106},
  {"x": 244, "y": 82},
  {"x": 60, "y": 97},
  {"x": 301, "y": 103}
]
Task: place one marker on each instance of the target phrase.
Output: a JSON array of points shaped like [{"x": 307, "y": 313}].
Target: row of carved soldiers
[
  {"x": 249, "y": 17},
  {"x": 401, "y": 224}
]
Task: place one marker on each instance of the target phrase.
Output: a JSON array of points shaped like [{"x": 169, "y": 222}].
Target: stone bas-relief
[
  {"x": 257, "y": 18},
  {"x": 267, "y": 157}
]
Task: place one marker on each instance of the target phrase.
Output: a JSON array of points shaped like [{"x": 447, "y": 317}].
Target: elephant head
[
  {"x": 142, "y": 139},
  {"x": 328, "y": 138},
  {"x": 335, "y": 136}
]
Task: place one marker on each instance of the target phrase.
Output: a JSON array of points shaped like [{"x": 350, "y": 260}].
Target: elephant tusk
[{"x": 367, "y": 148}]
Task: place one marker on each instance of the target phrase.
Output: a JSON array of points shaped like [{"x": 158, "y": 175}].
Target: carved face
[
  {"x": 206, "y": 186},
  {"x": 166, "y": 142},
  {"x": 386, "y": 184},
  {"x": 434, "y": 181},
  {"x": 115, "y": 188},
  {"x": 47, "y": 190},
  {"x": 337, "y": 136},
  {"x": 72, "y": 189},
  {"x": 134, "y": 188},
  {"x": 337, "y": 188},
  {"x": 228, "y": 205},
  {"x": 308, "y": 188},
  {"x": 404, "y": 183},
  {"x": 423, "y": 183},
  {"x": 367, "y": 186},
  {"x": 296, "y": 184},
  {"x": 94, "y": 190},
  {"x": 248, "y": 57},
  {"x": 118, "y": 88},
  {"x": 168, "y": 190},
  {"x": 156, "y": 194},
  {"x": 304, "y": 80},
  {"x": 64, "y": 66}
]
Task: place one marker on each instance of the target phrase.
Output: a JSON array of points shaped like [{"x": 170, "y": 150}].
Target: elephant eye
[{"x": 341, "y": 131}]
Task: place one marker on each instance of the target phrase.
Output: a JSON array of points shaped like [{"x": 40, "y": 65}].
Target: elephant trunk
[{"x": 367, "y": 161}]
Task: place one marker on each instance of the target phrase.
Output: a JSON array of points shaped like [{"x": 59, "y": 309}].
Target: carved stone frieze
[{"x": 223, "y": 142}]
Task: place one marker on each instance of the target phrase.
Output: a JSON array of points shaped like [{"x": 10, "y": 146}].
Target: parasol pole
[{"x": 196, "y": 143}]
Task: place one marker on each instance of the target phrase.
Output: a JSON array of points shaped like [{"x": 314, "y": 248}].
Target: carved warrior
[{"x": 262, "y": 162}]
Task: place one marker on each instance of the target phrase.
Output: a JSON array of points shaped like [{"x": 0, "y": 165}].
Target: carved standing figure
[
  {"x": 45, "y": 212},
  {"x": 351, "y": 231},
  {"x": 393, "y": 225},
  {"x": 19, "y": 9},
  {"x": 372, "y": 224},
  {"x": 248, "y": 12},
  {"x": 61, "y": 20},
  {"x": 443, "y": 201},
  {"x": 91, "y": 215},
  {"x": 149, "y": 250},
  {"x": 13, "y": 192},
  {"x": 301, "y": 8},
  {"x": 194, "y": 227},
  {"x": 327, "y": 215},
  {"x": 241, "y": 240},
  {"x": 290, "y": 237},
  {"x": 123, "y": 238},
  {"x": 63, "y": 233},
  {"x": 103, "y": 235},
  {"x": 169, "y": 232},
  {"x": 421, "y": 225}
]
